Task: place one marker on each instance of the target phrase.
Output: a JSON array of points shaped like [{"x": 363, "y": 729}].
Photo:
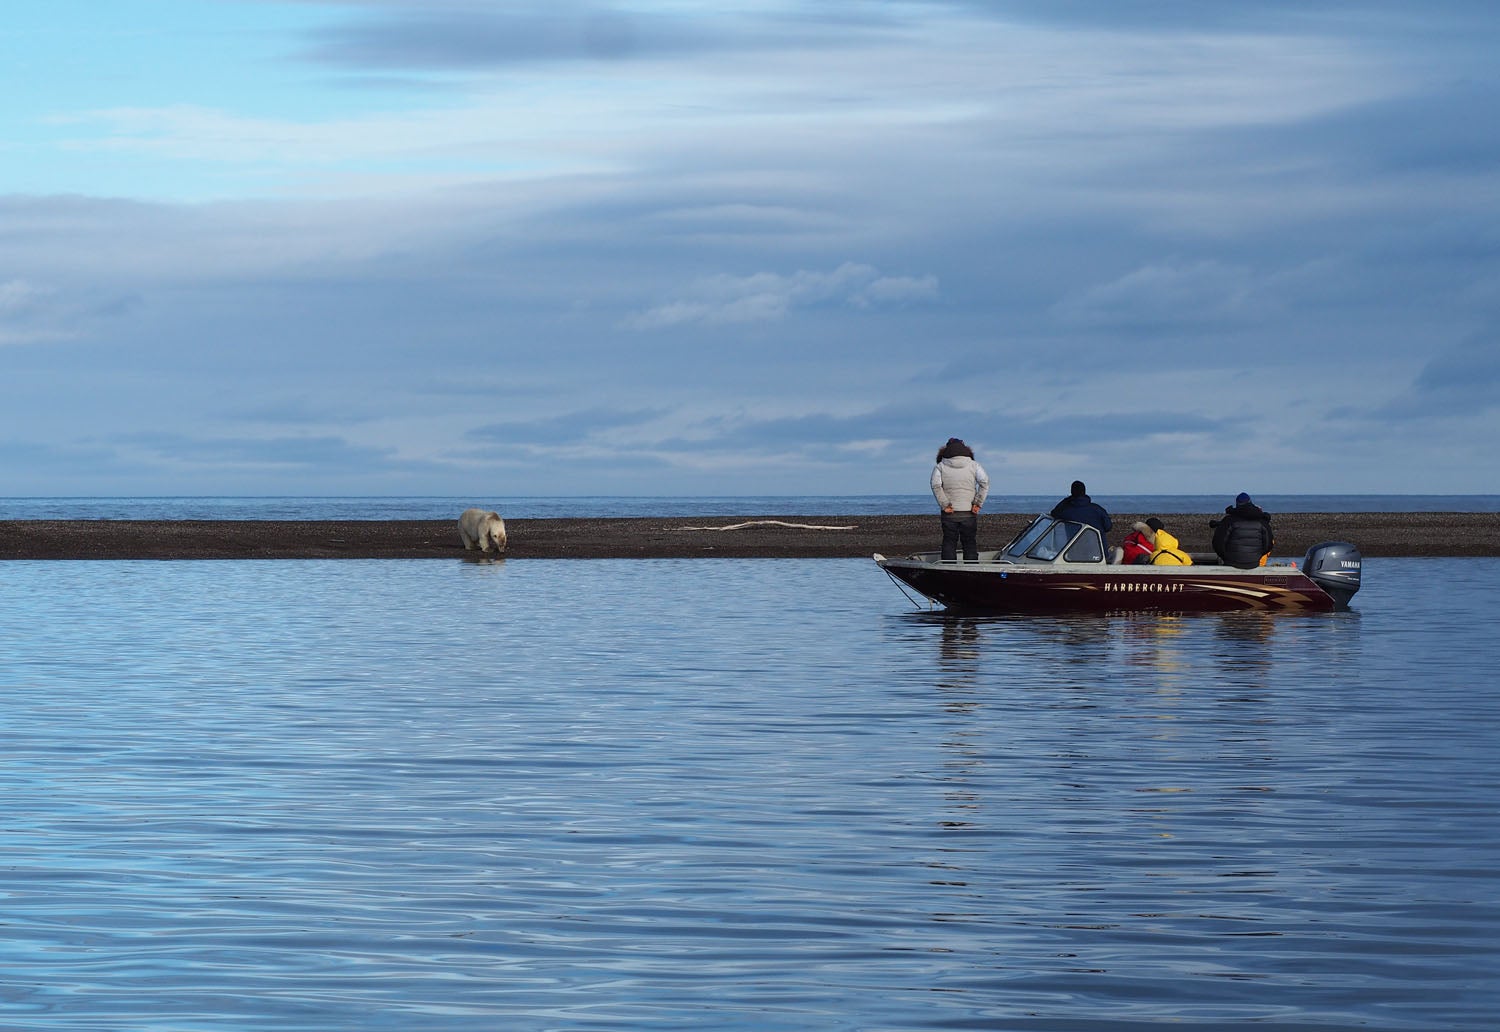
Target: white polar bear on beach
[{"x": 479, "y": 528}]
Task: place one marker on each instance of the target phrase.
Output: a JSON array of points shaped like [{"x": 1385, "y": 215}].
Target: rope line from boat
[{"x": 902, "y": 588}]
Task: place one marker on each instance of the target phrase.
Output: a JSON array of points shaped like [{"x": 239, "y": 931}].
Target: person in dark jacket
[
  {"x": 1080, "y": 508},
  {"x": 1243, "y": 537}
]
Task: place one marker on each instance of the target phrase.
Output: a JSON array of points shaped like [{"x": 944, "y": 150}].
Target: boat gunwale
[{"x": 925, "y": 560}]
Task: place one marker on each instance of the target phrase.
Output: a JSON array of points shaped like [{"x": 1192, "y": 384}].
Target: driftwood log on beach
[{"x": 1376, "y": 534}]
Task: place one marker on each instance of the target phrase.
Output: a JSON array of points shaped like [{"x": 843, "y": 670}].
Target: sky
[{"x": 495, "y": 249}]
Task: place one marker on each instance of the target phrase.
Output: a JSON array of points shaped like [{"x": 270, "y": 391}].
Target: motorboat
[{"x": 1060, "y": 565}]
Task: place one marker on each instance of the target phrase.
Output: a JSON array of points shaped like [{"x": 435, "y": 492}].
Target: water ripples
[{"x": 732, "y": 794}]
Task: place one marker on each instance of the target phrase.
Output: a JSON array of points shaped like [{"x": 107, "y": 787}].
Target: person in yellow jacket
[{"x": 1167, "y": 551}]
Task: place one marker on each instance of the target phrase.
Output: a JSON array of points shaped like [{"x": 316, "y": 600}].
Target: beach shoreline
[{"x": 1376, "y": 534}]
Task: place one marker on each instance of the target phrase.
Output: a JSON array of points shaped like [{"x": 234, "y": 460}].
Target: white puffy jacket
[{"x": 960, "y": 482}]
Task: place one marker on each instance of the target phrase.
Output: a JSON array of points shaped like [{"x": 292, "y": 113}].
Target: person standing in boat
[
  {"x": 960, "y": 484},
  {"x": 1078, "y": 507},
  {"x": 1243, "y": 537}
]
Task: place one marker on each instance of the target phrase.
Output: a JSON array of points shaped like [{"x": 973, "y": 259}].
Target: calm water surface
[
  {"x": 442, "y": 508},
  {"x": 734, "y": 794}
]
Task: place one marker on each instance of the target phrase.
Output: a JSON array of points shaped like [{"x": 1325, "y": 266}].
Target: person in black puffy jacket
[{"x": 1243, "y": 537}]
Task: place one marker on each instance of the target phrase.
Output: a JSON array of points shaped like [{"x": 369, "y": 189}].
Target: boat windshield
[
  {"x": 1023, "y": 541},
  {"x": 1046, "y": 539},
  {"x": 1087, "y": 547}
]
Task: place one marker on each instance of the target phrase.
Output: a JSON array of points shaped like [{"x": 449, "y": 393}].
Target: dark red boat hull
[{"x": 1019, "y": 589}]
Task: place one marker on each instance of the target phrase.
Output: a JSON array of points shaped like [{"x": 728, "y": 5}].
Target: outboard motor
[{"x": 1334, "y": 567}]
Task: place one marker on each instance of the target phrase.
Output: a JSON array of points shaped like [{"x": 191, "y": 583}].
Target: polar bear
[{"x": 482, "y": 529}]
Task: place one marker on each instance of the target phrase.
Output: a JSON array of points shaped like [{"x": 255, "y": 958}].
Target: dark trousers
[{"x": 960, "y": 527}]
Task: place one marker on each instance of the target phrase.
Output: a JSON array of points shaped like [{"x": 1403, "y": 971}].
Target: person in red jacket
[{"x": 1138, "y": 544}]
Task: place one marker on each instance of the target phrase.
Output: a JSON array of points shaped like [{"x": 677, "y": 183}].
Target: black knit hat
[{"x": 1079, "y": 489}]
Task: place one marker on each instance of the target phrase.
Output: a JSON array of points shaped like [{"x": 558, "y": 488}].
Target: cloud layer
[{"x": 656, "y": 248}]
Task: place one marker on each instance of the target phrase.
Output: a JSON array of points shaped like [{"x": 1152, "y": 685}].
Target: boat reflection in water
[{"x": 1059, "y": 565}]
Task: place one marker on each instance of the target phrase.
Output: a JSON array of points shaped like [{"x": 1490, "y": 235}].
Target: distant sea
[{"x": 441, "y": 507}]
